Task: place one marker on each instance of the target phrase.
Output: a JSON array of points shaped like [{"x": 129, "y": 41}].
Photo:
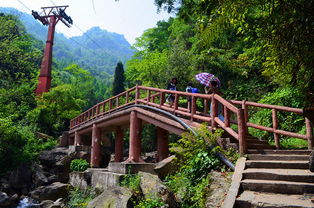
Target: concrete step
[
  {"x": 292, "y": 164},
  {"x": 250, "y": 199},
  {"x": 296, "y": 175},
  {"x": 280, "y": 152},
  {"x": 260, "y": 146},
  {"x": 282, "y": 187},
  {"x": 277, "y": 157}
]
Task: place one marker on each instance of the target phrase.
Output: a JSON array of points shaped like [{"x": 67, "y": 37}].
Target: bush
[
  {"x": 150, "y": 203},
  {"x": 132, "y": 182},
  {"x": 79, "y": 165},
  {"x": 78, "y": 198}
]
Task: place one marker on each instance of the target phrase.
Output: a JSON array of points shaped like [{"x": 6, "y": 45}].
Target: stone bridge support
[
  {"x": 118, "y": 157},
  {"x": 162, "y": 144},
  {"x": 135, "y": 147},
  {"x": 96, "y": 149}
]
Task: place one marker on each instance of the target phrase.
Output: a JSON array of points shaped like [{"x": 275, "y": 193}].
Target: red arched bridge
[{"x": 139, "y": 105}]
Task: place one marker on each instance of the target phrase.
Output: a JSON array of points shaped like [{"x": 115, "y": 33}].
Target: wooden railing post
[
  {"x": 241, "y": 132},
  {"x": 214, "y": 111},
  {"x": 148, "y": 96},
  {"x": 275, "y": 127},
  {"x": 117, "y": 101},
  {"x": 127, "y": 98},
  {"x": 246, "y": 115},
  {"x": 137, "y": 94},
  {"x": 110, "y": 104},
  {"x": 205, "y": 106},
  {"x": 176, "y": 101},
  {"x": 309, "y": 133},
  {"x": 193, "y": 107},
  {"x": 162, "y": 99},
  {"x": 227, "y": 116}
]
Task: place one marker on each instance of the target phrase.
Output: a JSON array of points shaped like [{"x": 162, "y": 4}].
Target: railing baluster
[
  {"x": 110, "y": 104},
  {"x": 193, "y": 107},
  {"x": 98, "y": 110},
  {"x": 227, "y": 116},
  {"x": 176, "y": 101},
  {"x": 117, "y": 101},
  {"x": 127, "y": 98},
  {"x": 148, "y": 96},
  {"x": 137, "y": 94},
  {"x": 309, "y": 133},
  {"x": 246, "y": 114},
  {"x": 205, "y": 106},
  {"x": 241, "y": 132},
  {"x": 275, "y": 126},
  {"x": 214, "y": 111},
  {"x": 162, "y": 99}
]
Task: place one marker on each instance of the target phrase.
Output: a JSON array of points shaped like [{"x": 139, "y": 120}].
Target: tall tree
[{"x": 118, "y": 80}]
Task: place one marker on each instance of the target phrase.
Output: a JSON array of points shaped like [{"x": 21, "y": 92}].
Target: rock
[
  {"x": 311, "y": 161},
  {"x": 52, "y": 192},
  {"x": 21, "y": 178},
  {"x": 166, "y": 166},
  {"x": 14, "y": 199},
  {"x": 39, "y": 177},
  {"x": 150, "y": 157},
  {"x": 80, "y": 179},
  {"x": 4, "y": 199},
  {"x": 49, "y": 158},
  {"x": 52, "y": 204},
  {"x": 118, "y": 197},
  {"x": 152, "y": 187}
]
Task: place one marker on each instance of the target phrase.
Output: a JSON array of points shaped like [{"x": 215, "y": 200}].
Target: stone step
[
  {"x": 282, "y": 187},
  {"x": 281, "y": 152},
  {"x": 249, "y": 199},
  {"x": 293, "y": 164},
  {"x": 260, "y": 146},
  {"x": 297, "y": 175},
  {"x": 277, "y": 157}
]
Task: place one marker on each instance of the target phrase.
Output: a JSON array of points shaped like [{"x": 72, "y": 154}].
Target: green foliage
[
  {"x": 287, "y": 121},
  {"x": 150, "y": 203},
  {"x": 55, "y": 109},
  {"x": 118, "y": 80},
  {"x": 132, "y": 182},
  {"x": 79, "y": 199},
  {"x": 79, "y": 165}
]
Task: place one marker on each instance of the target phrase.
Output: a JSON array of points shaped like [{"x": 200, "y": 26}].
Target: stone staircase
[{"x": 276, "y": 178}]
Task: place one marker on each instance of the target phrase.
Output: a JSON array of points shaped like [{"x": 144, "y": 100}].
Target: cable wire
[
  {"x": 94, "y": 6},
  {"x": 24, "y": 5}
]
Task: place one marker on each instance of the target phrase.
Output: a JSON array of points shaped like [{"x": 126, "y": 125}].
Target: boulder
[
  {"x": 39, "y": 178},
  {"x": 52, "y": 192},
  {"x": 166, "y": 166},
  {"x": 21, "y": 179},
  {"x": 4, "y": 199},
  {"x": 49, "y": 158},
  {"x": 311, "y": 161},
  {"x": 118, "y": 197},
  {"x": 52, "y": 204},
  {"x": 152, "y": 187},
  {"x": 80, "y": 179}
]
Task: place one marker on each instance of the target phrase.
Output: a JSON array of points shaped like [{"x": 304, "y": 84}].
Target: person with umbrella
[{"x": 212, "y": 85}]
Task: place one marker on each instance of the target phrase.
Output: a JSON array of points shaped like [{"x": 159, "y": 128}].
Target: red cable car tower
[{"x": 50, "y": 16}]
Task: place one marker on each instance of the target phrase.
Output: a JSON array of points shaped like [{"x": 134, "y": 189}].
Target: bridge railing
[
  {"x": 195, "y": 107},
  {"x": 275, "y": 125}
]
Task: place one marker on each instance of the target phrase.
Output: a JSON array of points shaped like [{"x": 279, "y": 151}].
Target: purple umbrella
[{"x": 206, "y": 78}]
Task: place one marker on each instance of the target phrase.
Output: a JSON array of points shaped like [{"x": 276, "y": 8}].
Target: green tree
[{"x": 118, "y": 80}]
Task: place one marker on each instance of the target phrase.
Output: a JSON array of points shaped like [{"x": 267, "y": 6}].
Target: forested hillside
[
  {"x": 22, "y": 114},
  {"x": 96, "y": 50}
]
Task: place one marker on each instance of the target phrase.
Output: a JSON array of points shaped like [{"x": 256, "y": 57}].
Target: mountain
[{"x": 97, "y": 50}]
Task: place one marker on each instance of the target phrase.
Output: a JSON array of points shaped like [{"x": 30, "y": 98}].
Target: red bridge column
[
  {"x": 135, "y": 139},
  {"x": 162, "y": 144},
  {"x": 96, "y": 149},
  {"x": 118, "y": 157},
  {"x": 77, "y": 139}
]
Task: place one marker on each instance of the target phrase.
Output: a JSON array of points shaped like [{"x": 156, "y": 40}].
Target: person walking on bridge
[{"x": 172, "y": 86}]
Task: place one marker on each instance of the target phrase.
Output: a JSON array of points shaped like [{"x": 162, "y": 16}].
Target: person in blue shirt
[
  {"x": 190, "y": 89},
  {"x": 172, "y": 86}
]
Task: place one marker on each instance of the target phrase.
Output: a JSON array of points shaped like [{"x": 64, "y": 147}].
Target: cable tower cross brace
[{"x": 50, "y": 16}]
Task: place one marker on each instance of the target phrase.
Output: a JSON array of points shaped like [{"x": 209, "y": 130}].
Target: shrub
[
  {"x": 132, "y": 182},
  {"x": 79, "y": 165},
  {"x": 78, "y": 198},
  {"x": 150, "y": 203}
]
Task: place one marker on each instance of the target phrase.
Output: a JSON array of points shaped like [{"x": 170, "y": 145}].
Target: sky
[{"x": 128, "y": 17}]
